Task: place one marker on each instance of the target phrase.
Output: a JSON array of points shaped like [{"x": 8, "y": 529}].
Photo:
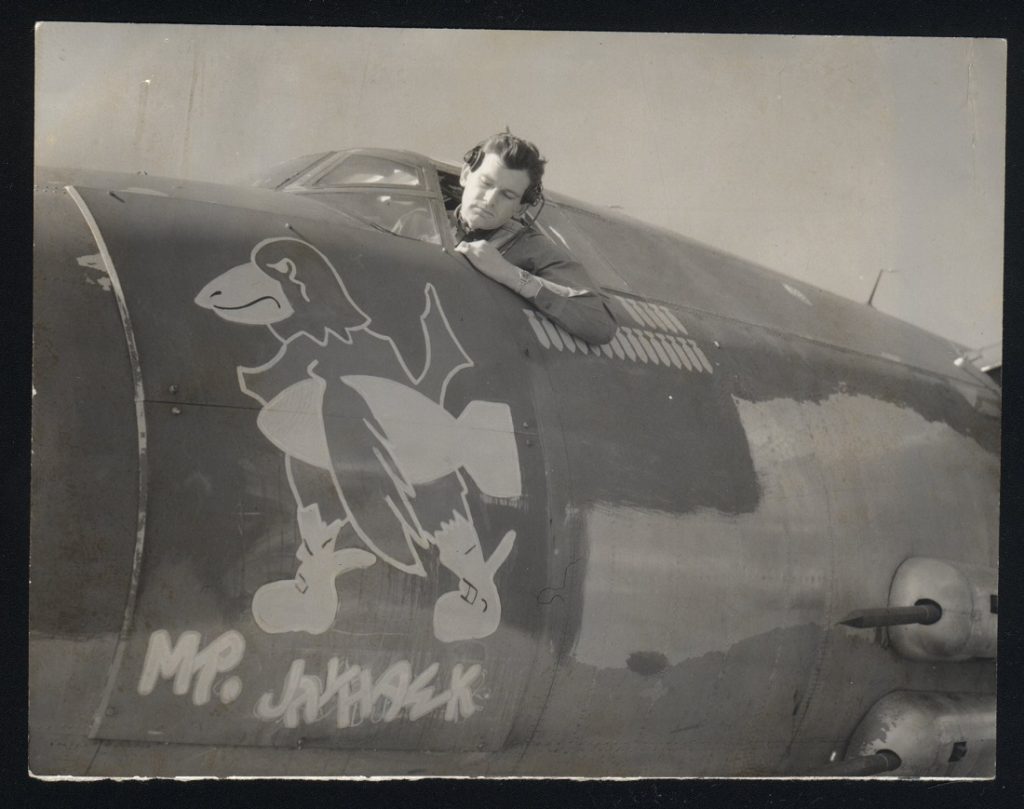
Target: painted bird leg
[
  {"x": 309, "y": 601},
  {"x": 474, "y": 609}
]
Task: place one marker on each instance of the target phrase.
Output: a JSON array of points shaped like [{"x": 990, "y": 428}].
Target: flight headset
[{"x": 533, "y": 196}]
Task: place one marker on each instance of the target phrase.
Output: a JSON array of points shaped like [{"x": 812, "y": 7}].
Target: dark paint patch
[
  {"x": 647, "y": 663},
  {"x": 648, "y": 436},
  {"x": 652, "y": 437}
]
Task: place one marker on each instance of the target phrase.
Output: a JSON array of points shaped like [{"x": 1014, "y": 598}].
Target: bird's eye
[{"x": 284, "y": 266}]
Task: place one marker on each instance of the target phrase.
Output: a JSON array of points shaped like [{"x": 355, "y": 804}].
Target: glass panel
[
  {"x": 363, "y": 169},
  {"x": 451, "y": 191},
  {"x": 397, "y": 213},
  {"x": 283, "y": 173}
]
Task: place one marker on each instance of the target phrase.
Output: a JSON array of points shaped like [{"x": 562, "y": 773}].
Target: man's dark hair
[{"x": 516, "y": 153}]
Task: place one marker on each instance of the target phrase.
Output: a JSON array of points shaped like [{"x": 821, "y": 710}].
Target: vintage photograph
[{"x": 414, "y": 402}]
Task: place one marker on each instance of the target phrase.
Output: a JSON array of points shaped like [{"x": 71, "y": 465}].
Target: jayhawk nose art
[{"x": 401, "y": 438}]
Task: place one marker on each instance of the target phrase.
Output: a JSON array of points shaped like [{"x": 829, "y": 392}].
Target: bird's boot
[
  {"x": 474, "y": 610},
  {"x": 309, "y": 601}
]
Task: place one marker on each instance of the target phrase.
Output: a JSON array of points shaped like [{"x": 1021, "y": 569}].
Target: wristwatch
[{"x": 529, "y": 285}]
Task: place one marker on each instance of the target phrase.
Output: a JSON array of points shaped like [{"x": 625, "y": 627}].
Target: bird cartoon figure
[{"x": 339, "y": 398}]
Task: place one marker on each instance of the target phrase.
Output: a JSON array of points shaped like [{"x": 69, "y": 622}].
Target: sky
[{"x": 825, "y": 158}]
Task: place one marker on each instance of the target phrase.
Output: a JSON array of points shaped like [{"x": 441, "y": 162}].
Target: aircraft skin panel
[
  {"x": 397, "y": 523},
  {"x": 819, "y": 451},
  {"x": 664, "y": 598},
  {"x": 709, "y": 280}
]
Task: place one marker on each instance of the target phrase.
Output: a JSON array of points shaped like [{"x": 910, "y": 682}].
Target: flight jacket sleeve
[{"x": 582, "y": 313}]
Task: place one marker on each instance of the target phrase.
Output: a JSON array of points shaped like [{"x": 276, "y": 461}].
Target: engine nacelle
[
  {"x": 934, "y": 734},
  {"x": 968, "y": 598}
]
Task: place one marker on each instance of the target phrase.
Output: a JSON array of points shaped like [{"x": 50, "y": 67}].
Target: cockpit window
[
  {"x": 363, "y": 169},
  {"x": 400, "y": 214},
  {"x": 283, "y": 173}
]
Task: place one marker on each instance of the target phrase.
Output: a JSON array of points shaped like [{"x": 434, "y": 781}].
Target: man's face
[{"x": 492, "y": 194}]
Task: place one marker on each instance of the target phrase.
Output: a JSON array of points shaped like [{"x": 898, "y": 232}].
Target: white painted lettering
[
  {"x": 358, "y": 696},
  {"x": 356, "y": 704},
  {"x": 389, "y": 691},
  {"x": 184, "y": 660},
  {"x": 461, "y": 701},
  {"x": 420, "y": 699},
  {"x": 300, "y": 691}
]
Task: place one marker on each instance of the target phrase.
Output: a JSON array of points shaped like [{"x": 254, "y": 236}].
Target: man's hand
[{"x": 485, "y": 257}]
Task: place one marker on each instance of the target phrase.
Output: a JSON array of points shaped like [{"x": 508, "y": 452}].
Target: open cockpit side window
[
  {"x": 551, "y": 221},
  {"x": 451, "y": 190}
]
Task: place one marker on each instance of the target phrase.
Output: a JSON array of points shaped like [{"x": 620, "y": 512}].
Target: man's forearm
[
  {"x": 585, "y": 315},
  {"x": 579, "y": 311},
  {"x": 529, "y": 286}
]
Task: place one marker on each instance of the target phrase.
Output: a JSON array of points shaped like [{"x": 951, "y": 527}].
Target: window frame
[
  {"x": 429, "y": 189},
  {"x": 313, "y": 178}
]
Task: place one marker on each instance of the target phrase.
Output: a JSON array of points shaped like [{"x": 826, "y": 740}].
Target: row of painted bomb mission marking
[
  {"x": 652, "y": 315},
  {"x": 637, "y": 345}
]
